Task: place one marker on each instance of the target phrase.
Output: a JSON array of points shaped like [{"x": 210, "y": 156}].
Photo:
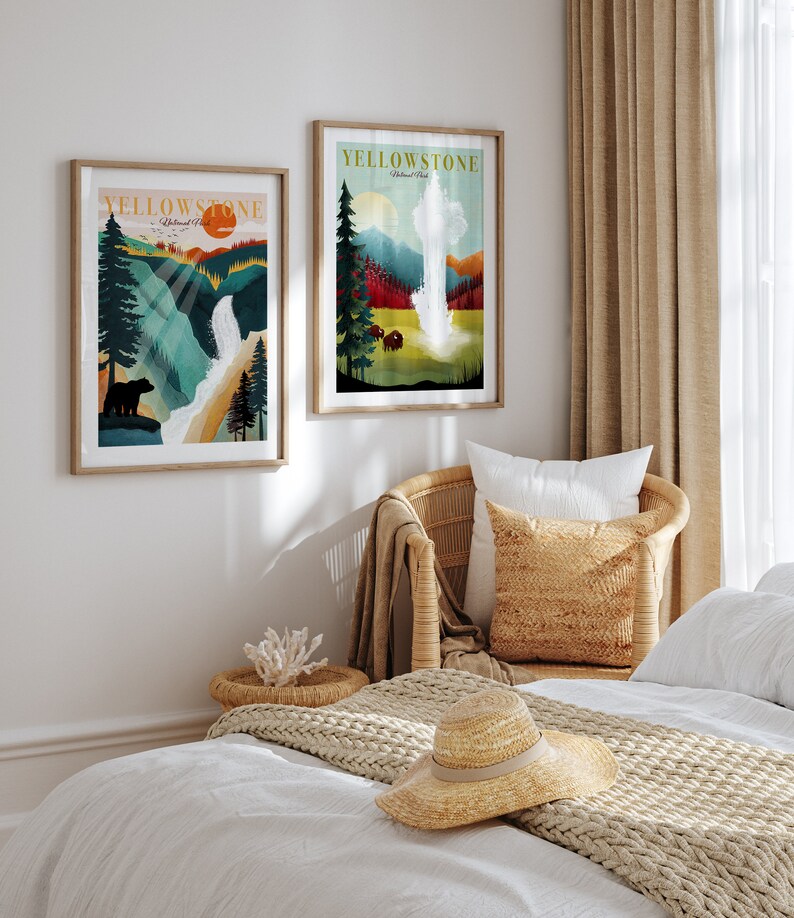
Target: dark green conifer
[
  {"x": 353, "y": 316},
  {"x": 258, "y": 396},
  {"x": 240, "y": 415},
  {"x": 119, "y": 334}
]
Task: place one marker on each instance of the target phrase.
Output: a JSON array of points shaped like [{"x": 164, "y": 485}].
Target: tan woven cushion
[{"x": 565, "y": 589}]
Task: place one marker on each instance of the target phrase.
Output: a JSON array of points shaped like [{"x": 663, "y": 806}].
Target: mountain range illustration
[
  {"x": 407, "y": 265},
  {"x": 470, "y": 266}
]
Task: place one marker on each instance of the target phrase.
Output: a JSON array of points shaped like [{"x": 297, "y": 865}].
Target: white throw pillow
[
  {"x": 733, "y": 640},
  {"x": 605, "y": 488},
  {"x": 778, "y": 579}
]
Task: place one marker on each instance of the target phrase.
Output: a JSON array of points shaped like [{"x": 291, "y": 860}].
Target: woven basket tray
[{"x": 323, "y": 686}]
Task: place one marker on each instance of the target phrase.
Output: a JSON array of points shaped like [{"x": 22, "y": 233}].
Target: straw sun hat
[{"x": 489, "y": 759}]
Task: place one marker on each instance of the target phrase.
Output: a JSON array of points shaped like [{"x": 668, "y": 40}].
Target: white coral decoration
[{"x": 281, "y": 662}]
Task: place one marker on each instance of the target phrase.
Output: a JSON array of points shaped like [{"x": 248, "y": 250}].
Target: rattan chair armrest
[
  {"x": 660, "y": 543},
  {"x": 426, "y": 641},
  {"x": 645, "y": 627},
  {"x": 652, "y": 564}
]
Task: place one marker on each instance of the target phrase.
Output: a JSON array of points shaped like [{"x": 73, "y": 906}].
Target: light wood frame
[
  {"x": 280, "y": 310},
  {"x": 321, "y": 345}
]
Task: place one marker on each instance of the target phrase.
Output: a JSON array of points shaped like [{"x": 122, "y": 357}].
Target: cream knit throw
[{"x": 701, "y": 825}]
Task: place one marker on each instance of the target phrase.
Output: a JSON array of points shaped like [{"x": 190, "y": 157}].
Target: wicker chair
[{"x": 444, "y": 502}]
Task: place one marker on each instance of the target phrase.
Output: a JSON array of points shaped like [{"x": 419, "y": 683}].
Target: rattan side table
[{"x": 325, "y": 685}]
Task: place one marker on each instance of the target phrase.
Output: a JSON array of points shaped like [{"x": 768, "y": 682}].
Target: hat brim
[{"x": 574, "y": 766}]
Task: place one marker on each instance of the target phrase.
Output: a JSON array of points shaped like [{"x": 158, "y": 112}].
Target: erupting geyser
[{"x": 439, "y": 223}]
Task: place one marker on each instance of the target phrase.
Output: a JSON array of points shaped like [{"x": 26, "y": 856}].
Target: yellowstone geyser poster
[
  {"x": 180, "y": 301},
  {"x": 409, "y": 310}
]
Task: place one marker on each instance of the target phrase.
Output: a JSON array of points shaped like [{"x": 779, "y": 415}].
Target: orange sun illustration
[{"x": 219, "y": 221}]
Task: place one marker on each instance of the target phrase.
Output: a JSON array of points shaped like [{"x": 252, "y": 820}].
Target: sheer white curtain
[{"x": 755, "y": 150}]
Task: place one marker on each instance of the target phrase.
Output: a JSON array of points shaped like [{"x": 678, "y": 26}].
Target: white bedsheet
[{"x": 236, "y": 827}]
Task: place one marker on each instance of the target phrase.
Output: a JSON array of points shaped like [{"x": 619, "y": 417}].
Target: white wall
[{"x": 121, "y": 595}]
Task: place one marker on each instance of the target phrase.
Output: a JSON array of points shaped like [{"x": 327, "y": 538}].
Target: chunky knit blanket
[{"x": 701, "y": 825}]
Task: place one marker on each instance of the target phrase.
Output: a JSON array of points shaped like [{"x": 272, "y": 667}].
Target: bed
[{"x": 240, "y": 827}]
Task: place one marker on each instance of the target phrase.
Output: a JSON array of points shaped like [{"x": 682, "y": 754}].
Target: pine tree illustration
[
  {"x": 240, "y": 416},
  {"x": 118, "y": 333},
  {"x": 258, "y": 397},
  {"x": 353, "y": 316},
  {"x": 234, "y": 415}
]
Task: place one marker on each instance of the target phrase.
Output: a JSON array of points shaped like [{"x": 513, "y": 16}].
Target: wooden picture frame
[
  {"x": 179, "y": 309},
  {"x": 408, "y": 230}
]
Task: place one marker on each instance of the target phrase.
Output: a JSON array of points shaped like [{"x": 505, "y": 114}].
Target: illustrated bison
[
  {"x": 376, "y": 332},
  {"x": 393, "y": 341}
]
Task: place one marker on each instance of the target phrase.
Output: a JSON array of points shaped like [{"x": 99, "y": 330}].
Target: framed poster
[
  {"x": 408, "y": 267},
  {"x": 179, "y": 292}
]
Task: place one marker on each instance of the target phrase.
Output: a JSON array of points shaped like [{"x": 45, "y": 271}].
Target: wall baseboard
[{"x": 34, "y": 761}]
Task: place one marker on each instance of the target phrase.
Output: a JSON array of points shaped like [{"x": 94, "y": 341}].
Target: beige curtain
[{"x": 643, "y": 214}]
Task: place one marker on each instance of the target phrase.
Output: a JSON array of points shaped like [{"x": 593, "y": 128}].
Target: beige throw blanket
[
  {"x": 701, "y": 825},
  {"x": 370, "y": 646}
]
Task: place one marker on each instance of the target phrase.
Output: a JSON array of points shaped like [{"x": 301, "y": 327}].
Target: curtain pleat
[{"x": 642, "y": 167}]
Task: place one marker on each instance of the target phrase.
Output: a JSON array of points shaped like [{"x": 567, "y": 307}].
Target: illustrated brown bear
[{"x": 123, "y": 397}]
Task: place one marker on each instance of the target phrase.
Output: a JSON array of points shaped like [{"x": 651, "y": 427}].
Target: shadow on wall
[
  {"x": 317, "y": 580},
  {"x": 342, "y": 557},
  {"x": 286, "y": 567},
  {"x": 328, "y": 597}
]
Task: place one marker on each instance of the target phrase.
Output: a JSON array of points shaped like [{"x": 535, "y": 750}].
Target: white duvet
[{"x": 237, "y": 827}]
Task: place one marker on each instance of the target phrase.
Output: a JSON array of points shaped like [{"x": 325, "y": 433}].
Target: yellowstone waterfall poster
[
  {"x": 179, "y": 290},
  {"x": 408, "y": 270}
]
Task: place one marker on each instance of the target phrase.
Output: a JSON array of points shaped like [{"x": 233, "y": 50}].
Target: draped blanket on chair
[{"x": 370, "y": 647}]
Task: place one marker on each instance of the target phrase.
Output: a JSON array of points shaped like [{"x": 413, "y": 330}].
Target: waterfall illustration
[
  {"x": 227, "y": 341},
  {"x": 439, "y": 223}
]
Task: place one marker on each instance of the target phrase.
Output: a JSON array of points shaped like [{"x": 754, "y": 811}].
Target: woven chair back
[
  {"x": 653, "y": 500},
  {"x": 444, "y": 502}
]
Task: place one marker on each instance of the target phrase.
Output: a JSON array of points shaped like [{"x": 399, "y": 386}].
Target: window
[{"x": 755, "y": 149}]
